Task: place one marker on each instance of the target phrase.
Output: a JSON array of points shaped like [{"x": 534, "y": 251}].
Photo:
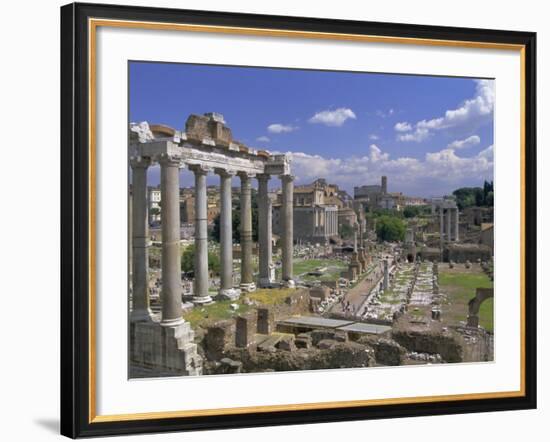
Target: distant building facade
[
  {"x": 316, "y": 209},
  {"x": 154, "y": 198}
]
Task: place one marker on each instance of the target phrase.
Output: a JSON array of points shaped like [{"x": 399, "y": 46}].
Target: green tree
[
  {"x": 468, "y": 197},
  {"x": 411, "y": 211},
  {"x": 390, "y": 228},
  {"x": 236, "y": 221},
  {"x": 188, "y": 260},
  {"x": 488, "y": 193},
  {"x": 345, "y": 231}
]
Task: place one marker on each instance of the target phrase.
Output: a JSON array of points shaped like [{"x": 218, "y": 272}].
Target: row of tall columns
[
  {"x": 171, "y": 255},
  {"x": 450, "y": 231}
]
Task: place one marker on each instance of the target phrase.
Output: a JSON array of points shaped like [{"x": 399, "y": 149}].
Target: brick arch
[{"x": 482, "y": 294}]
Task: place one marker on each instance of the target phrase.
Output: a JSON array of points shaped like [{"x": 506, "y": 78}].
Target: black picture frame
[{"x": 75, "y": 220}]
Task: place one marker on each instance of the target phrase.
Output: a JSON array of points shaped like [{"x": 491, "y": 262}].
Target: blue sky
[{"x": 429, "y": 135}]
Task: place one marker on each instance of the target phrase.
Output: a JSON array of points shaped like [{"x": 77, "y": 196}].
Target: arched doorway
[{"x": 473, "y": 305}]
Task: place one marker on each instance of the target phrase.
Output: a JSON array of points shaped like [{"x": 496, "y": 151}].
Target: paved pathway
[{"x": 358, "y": 294}]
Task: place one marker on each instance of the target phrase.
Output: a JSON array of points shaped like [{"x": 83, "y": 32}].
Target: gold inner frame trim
[{"x": 93, "y": 24}]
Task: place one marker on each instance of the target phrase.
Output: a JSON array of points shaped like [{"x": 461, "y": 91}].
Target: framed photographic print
[{"x": 274, "y": 220}]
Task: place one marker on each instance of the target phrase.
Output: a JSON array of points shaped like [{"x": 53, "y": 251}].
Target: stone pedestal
[
  {"x": 266, "y": 321},
  {"x": 245, "y": 329},
  {"x": 164, "y": 350}
]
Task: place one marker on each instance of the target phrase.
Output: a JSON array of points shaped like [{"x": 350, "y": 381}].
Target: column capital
[
  {"x": 199, "y": 169},
  {"x": 224, "y": 173},
  {"x": 169, "y": 160},
  {"x": 263, "y": 177},
  {"x": 140, "y": 162},
  {"x": 287, "y": 178},
  {"x": 246, "y": 176}
]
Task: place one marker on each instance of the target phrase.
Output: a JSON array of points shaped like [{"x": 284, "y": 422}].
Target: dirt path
[{"x": 358, "y": 294}]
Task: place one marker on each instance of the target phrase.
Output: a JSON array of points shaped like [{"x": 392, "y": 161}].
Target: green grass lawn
[
  {"x": 334, "y": 268},
  {"x": 460, "y": 288},
  {"x": 214, "y": 312},
  {"x": 221, "y": 310},
  {"x": 270, "y": 296}
]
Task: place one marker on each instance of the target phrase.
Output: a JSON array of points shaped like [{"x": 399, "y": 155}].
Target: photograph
[{"x": 298, "y": 219}]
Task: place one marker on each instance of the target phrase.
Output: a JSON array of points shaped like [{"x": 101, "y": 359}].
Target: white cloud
[
  {"x": 435, "y": 174},
  {"x": 463, "y": 144},
  {"x": 420, "y": 134},
  {"x": 263, "y": 139},
  {"x": 277, "y": 128},
  {"x": 487, "y": 153},
  {"x": 333, "y": 117},
  {"x": 383, "y": 114},
  {"x": 403, "y": 127},
  {"x": 374, "y": 137},
  {"x": 471, "y": 113},
  {"x": 376, "y": 154}
]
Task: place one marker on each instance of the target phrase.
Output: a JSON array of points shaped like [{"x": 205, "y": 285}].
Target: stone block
[
  {"x": 269, "y": 344},
  {"x": 303, "y": 340},
  {"x": 164, "y": 350},
  {"x": 245, "y": 328},
  {"x": 217, "y": 339},
  {"x": 229, "y": 366},
  {"x": 327, "y": 344},
  {"x": 336, "y": 335},
  {"x": 266, "y": 321},
  {"x": 320, "y": 292},
  {"x": 287, "y": 343}
]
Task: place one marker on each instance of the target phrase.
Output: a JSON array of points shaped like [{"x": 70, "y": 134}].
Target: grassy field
[
  {"x": 214, "y": 312},
  {"x": 334, "y": 268},
  {"x": 460, "y": 286},
  {"x": 222, "y": 309}
]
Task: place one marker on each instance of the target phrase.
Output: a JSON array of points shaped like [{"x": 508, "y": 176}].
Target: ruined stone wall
[
  {"x": 467, "y": 252},
  {"x": 341, "y": 355},
  {"x": 448, "y": 344}
]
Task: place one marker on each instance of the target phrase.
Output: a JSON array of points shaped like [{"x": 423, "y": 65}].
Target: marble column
[
  {"x": 247, "y": 283},
  {"x": 386, "y": 275},
  {"x": 441, "y": 224},
  {"x": 139, "y": 228},
  {"x": 226, "y": 236},
  {"x": 288, "y": 230},
  {"x": 449, "y": 233},
  {"x": 201, "y": 284},
  {"x": 171, "y": 254},
  {"x": 457, "y": 222},
  {"x": 264, "y": 230}
]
